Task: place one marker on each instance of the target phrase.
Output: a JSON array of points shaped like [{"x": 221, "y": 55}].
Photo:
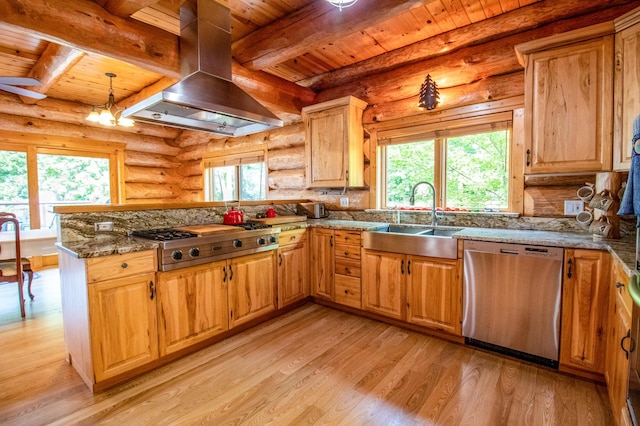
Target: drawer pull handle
[
  {"x": 124, "y": 265},
  {"x": 402, "y": 267},
  {"x": 224, "y": 271},
  {"x": 569, "y": 262},
  {"x": 409, "y": 267},
  {"x": 230, "y": 272},
  {"x": 619, "y": 284},
  {"x": 280, "y": 259},
  {"x": 528, "y": 157},
  {"x": 293, "y": 237}
]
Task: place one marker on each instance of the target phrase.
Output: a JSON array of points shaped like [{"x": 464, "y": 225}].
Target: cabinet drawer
[
  {"x": 350, "y": 252},
  {"x": 348, "y": 237},
  {"x": 348, "y": 267},
  {"x": 623, "y": 290},
  {"x": 348, "y": 291},
  {"x": 120, "y": 265},
  {"x": 292, "y": 237}
]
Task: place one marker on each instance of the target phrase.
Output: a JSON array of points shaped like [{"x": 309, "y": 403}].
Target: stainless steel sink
[{"x": 416, "y": 240}]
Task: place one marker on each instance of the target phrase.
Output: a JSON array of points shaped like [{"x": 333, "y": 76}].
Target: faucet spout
[{"x": 412, "y": 200}]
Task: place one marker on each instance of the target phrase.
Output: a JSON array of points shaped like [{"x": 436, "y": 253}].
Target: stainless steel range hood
[{"x": 205, "y": 99}]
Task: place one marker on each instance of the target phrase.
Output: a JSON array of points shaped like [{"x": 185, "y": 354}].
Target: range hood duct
[{"x": 205, "y": 99}]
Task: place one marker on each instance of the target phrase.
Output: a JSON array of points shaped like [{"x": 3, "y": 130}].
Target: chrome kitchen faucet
[{"x": 412, "y": 200}]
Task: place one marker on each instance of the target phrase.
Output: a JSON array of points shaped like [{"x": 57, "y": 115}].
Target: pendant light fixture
[
  {"x": 341, "y": 4},
  {"x": 106, "y": 116}
]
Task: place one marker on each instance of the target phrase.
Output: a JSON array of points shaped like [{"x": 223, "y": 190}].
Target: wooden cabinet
[
  {"x": 251, "y": 287},
  {"x": 322, "y": 263},
  {"x": 626, "y": 86},
  {"x": 585, "y": 302},
  {"x": 192, "y": 305},
  {"x": 568, "y": 101},
  {"x": 384, "y": 283},
  {"x": 618, "y": 342},
  {"x": 293, "y": 267},
  {"x": 335, "y": 266},
  {"x": 109, "y": 313},
  {"x": 334, "y": 143},
  {"x": 434, "y": 293}
]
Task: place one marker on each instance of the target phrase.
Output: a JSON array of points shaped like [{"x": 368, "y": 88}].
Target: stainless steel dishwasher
[{"x": 512, "y": 299}]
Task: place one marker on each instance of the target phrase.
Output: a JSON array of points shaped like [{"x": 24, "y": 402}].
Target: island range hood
[{"x": 205, "y": 99}]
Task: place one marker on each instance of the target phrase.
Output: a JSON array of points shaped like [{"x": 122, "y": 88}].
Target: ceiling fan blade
[
  {"x": 19, "y": 81},
  {"x": 22, "y": 92}
]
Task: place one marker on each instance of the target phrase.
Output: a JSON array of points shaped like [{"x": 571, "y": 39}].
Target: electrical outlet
[
  {"x": 103, "y": 226},
  {"x": 344, "y": 201},
  {"x": 573, "y": 207}
]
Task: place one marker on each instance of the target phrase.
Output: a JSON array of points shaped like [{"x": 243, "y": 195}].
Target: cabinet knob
[{"x": 124, "y": 265}]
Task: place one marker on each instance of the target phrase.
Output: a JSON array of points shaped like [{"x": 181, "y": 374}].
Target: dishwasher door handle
[{"x": 507, "y": 251}]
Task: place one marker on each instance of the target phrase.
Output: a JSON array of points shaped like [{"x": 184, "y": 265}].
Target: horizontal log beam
[{"x": 134, "y": 158}]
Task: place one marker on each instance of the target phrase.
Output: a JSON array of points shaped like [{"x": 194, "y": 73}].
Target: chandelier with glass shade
[{"x": 107, "y": 116}]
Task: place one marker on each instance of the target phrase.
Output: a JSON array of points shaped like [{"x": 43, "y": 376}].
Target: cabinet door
[
  {"x": 192, "y": 305},
  {"x": 434, "y": 288},
  {"x": 327, "y": 148},
  {"x": 122, "y": 316},
  {"x": 293, "y": 273},
  {"x": 383, "y": 283},
  {"x": 585, "y": 302},
  {"x": 322, "y": 263},
  {"x": 626, "y": 92},
  {"x": 568, "y": 108},
  {"x": 252, "y": 287},
  {"x": 617, "y": 365}
]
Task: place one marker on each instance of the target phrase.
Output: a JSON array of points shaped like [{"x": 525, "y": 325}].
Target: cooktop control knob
[
  {"x": 194, "y": 252},
  {"x": 261, "y": 241},
  {"x": 272, "y": 239},
  {"x": 237, "y": 243},
  {"x": 176, "y": 255}
]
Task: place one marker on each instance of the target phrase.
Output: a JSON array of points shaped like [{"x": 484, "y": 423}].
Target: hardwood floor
[{"x": 314, "y": 365}]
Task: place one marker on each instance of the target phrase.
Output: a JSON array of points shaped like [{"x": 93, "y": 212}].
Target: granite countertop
[{"x": 622, "y": 250}]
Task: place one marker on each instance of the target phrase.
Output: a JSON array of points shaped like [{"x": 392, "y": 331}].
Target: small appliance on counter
[{"x": 312, "y": 210}]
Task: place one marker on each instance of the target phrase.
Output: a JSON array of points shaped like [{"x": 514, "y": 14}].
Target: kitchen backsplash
[{"x": 80, "y": 226}]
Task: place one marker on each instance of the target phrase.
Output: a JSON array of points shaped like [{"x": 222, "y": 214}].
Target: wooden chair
[{"x": 12, "y": 270}]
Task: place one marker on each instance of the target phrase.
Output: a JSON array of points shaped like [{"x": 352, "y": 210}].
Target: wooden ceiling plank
[
  {"x": 441, "y": 16},
  {"x": 491, "y": 8},
  {"x": 457, "y": 12},
  {"x": 475, "y": 11},
  {"x": 508, "y": 5},
  {"x": 311, "y": 27},
  {"x": 519, "y": 20},
  {"x": 54, "y": 62},
  {"x": 125, "y": 8}
]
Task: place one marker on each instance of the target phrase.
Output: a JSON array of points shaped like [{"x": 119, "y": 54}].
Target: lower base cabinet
[
  {"x": 293, "y": 267},
  {"x": 251, "y": 287},
  {"x": 420, "y": 290},
  {"x": 192, "y": 305}
]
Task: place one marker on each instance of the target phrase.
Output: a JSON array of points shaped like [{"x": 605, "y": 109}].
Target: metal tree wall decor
[{"x": 429, "y": 95}]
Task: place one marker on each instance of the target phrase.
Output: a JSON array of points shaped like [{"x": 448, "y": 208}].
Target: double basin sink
[{"x": 415, "y": 240}]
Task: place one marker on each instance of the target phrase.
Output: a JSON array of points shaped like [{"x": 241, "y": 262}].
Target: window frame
[
  {"x": 237, "y": 158},
  {"x": 451, "y": 123},
  {"x": 33, "y": 145}
]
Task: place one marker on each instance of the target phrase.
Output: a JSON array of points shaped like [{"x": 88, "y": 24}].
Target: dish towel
[{"x": 631, "y": 199}]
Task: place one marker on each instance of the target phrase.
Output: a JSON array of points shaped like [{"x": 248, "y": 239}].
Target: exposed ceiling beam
[
  {"x": 54, "y": 62},
  {"x": 311, "y": 27},
  {"x": 86, "y": 26}
]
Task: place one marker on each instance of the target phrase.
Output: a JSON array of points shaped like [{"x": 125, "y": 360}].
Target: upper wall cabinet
[
  {"x": 568, "y": 101},
  {"x": 334, "y": 139},
  {"x": 626, "y": 86}
]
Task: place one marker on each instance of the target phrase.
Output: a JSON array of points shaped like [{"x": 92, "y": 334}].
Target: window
[
  {"x": 240, "y": 176},
  {"x": 466, "y": 161},
  {"x": 35, "y": 178}
]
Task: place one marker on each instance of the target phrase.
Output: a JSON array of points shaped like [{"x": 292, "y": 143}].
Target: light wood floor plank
[{"x": 312, "y": 366}]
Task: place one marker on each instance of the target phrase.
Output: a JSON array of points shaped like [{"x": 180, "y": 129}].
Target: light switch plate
[
  {"x": 573, "y": 207},
  {"x": 103, "y": 226},
  {"x": 344, "y": 201}
]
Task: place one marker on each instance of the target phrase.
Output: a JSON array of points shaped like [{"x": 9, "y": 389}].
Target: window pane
[
  {"x": 477, "y": 171},
  {"x": 224, "y": 183},
  {"x": 14, "y": 188},
  {"x": 408, "y": 164},
  {"x": 253, "y": 181},
  {"x": 68, "y": 179}
]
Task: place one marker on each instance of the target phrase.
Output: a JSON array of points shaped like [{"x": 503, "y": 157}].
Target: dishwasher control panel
[{"x": 555, "y": 253}]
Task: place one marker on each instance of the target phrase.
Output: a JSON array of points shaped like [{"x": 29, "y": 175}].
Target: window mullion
[
  {"x": 34, "y": 191},
  {"x": 439, "y": 168},
  {"x": 238, "y": 182}
]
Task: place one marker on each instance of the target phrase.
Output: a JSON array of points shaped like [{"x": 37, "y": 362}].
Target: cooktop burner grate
[{"x": 164, "y": 234}]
